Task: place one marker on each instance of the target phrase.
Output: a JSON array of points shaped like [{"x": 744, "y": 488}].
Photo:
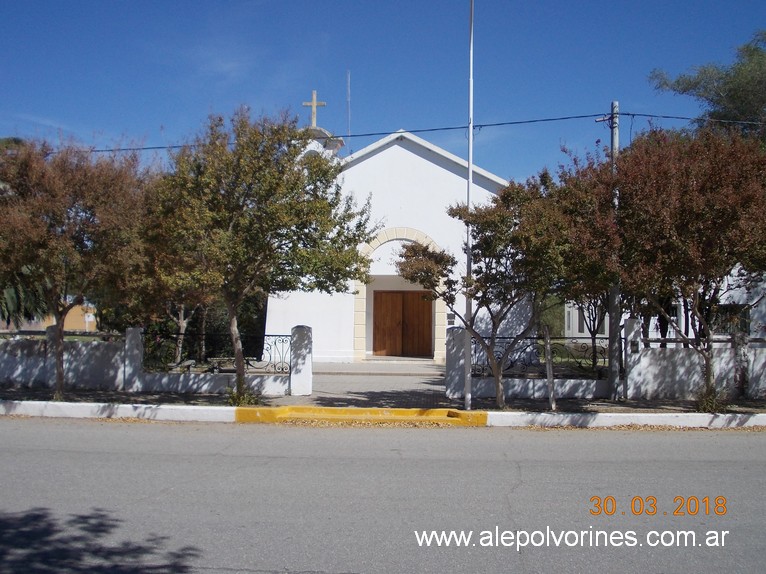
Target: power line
[
  {"x": 714, "y": 120},
  {"x": 465, "y": 127}
]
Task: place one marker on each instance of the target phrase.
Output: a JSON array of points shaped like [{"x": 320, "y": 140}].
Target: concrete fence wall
[
  {"x": 119, "y": 366},
  {"x": 677, "y": 373},
  {"x": 514, "y": 388},
  {"x": 671, "y": 373}
]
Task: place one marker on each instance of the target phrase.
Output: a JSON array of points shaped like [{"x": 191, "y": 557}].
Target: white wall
[
  {"x": 330, "y": 317},
  {"x": 677, "y": 373},
  {"x": 23, "y": 361}
]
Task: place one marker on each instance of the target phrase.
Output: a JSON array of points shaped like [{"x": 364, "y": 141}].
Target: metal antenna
[{"x": 348, "y": 108}]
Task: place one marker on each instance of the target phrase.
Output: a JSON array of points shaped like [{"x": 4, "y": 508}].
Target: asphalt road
[{"x": 95, "y": 496}]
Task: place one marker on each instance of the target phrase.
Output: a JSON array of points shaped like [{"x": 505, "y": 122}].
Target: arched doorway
[{"x": 391, "y": 317}]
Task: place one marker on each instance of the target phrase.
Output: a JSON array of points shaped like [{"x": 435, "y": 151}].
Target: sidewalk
[{"x": 380, "y": 384}]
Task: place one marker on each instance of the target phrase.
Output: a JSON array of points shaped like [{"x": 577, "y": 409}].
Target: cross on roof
[{"x": 313, "y": 103}]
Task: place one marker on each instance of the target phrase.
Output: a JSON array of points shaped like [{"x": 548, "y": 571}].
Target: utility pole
[
  {"x": 613, "y": 301},
  {"x": 468, "y": 385}
]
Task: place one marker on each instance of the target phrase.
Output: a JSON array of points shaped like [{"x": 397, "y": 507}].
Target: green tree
[
  {"x": 70, "y": 226},
  {"x": 735, "y": 93},
  {"x": 13, "y": 143},
  {"x": 514, "y": 249},
  {"x": 178, "y": 278},
  {"x": 271, "y": 216},
  {"x": 20, "y": 301}
]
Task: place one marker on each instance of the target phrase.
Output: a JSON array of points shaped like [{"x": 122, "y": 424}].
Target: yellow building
[{"x": 80, "y": 318}]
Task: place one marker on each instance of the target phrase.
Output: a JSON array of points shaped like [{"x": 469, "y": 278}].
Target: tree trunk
[
  {"x": 202, "y": 349},
  {"x": 236, "y": 343},
  {"x": 739, "y": 343},
  {"x": 499, "y": 391},
  {"x": 497, "y": 372},
  {"x": 181, "y": 322},
  {"x": 181, "y": 319},
  {"x": 58, "y": 394},
  {"x": 593, "y": 349},
  {"x": 707, "y": 355},
  {"x": 549, "y": 366}
]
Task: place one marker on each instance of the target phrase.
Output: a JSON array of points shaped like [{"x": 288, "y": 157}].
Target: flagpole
[{"x": 468, "y": 271}]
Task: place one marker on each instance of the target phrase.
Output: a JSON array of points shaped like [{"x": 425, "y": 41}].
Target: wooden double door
[{"x": 402, "y": 324}]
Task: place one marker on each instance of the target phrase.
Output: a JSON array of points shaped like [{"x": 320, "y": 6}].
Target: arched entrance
[{"x": 391, "y": 316}]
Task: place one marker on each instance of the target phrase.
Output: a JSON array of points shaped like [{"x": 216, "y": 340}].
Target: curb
[
  {"x": 452, "y": 417},
  {"x": 605, "y": 420},
  {"x": 170, "y": 413}
]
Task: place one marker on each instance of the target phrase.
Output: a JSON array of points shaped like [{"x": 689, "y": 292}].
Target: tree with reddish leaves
[
  {"x": 515, "y": 249},
  {"x": 692, "y": 225},
  {"x": 585, "y": 197},
  {"x": 689, "y": 227},
  {"x": 71, "y": 226}
]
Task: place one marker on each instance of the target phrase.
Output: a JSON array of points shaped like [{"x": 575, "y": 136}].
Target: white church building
[{"x": 411, "y": 183}]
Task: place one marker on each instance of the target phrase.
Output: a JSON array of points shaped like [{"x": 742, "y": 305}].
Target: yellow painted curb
[{"x": 357, "y": 414}]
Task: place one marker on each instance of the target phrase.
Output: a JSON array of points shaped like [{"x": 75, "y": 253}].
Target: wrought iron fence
[
  {"x": 213, "y": 352},
  {"x": 573, "y": 357}
]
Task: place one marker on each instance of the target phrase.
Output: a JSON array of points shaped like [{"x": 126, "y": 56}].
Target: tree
[
  {"x": 70, "y": 226},
  {"x": 515, "y": 256},
  {"x": 590, "y": 267},
  {"x": 20, "y": 302},
  {"x": 9, "y": 144},
  {"x": 692, "y": 223},
  {"x": 178, "y": 279},
  {"x": 736, "y": 93},
  {"x": 268, "y": 215}
]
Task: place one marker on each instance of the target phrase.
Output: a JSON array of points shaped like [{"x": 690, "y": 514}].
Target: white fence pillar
[
  {"x": 633, "y": 348},
  {"x": 134, "y": 361},
  {"x": 301, "y": 361},
  {"x": 454, "y": 376}
]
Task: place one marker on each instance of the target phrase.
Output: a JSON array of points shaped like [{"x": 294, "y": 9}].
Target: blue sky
[{"x": 149, "y": 72}]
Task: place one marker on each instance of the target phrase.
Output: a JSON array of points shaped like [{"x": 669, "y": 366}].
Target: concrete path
[{"x": 382, "y": 384}]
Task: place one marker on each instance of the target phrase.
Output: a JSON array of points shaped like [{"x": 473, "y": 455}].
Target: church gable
[
  {"x": 412, "y": 182},
  {"x": 392, "y": 150}
]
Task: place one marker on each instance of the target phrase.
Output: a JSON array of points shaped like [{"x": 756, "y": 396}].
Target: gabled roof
[{"x": 400, "y": 135}]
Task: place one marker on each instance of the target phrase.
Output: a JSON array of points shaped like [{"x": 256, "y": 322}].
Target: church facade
[{"x": 411, "y": 183}]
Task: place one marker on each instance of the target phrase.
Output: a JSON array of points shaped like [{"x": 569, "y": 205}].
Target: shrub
[
  {"x": 712, "y": 400},
  {"x": 247, "y": 398}
]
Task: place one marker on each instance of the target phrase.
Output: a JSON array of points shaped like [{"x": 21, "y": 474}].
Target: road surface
[{"x": 98, "y": 496}]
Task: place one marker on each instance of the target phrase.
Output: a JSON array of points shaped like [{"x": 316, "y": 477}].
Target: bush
[
  {"x": 712, "y": 400},
  {"x": 248, "y": 398}
]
